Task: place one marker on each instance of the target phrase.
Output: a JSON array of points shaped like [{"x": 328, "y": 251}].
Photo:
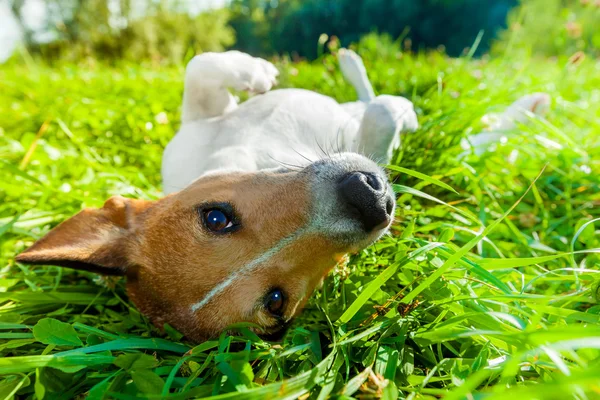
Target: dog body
[
  {"x": 287, "y": 127},
  {"x": 243, "y": 235}
]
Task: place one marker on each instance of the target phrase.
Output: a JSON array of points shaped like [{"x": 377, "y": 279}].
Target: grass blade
[
  {"x": 421, "y": 176},
  {"x": 368, "y": 292},
  {"x": 465, "y": 249}
]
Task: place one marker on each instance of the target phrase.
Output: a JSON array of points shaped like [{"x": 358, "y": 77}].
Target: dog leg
[
  {"x": 499, "y": 126},
  {"x": 383, "y": 121},
  {"x": 209, "y": 75},
  {"x": 355, "y": 73},
  {"x": 521, "y": 111}
]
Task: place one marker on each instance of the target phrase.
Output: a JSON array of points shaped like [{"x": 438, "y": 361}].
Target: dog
[
  {"x": 256, "y": 211},
  {"x": 280, "y": 127},
  {"x": 262, "y": 200},
  {"x": 499, "y": 126}
]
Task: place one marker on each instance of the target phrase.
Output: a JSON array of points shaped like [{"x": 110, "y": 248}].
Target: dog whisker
[
  {"x": 286, "y": 165},
  {"x": 397, "y": 220},
  {"x": 325, "y": 154},
  {"x": 337, "y": 140},
  {"x": 301, "y": 155}
]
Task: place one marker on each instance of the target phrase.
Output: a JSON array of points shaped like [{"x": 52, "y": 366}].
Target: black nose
[{"x": 366, "y": 197}]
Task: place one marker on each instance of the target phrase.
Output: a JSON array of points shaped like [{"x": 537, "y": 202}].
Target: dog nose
[{"x": 365, "y": 196}]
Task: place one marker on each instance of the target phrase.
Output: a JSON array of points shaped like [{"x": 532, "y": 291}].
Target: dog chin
[
  {"x": 360, "y": 242},
  {"x": 350, "y": 235}
]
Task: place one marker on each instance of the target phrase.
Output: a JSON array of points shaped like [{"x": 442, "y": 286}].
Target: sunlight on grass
[{"x": 467, "y": 298}]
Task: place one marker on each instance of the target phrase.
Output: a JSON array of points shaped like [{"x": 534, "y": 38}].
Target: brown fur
[{"x": 171, "y": 261}]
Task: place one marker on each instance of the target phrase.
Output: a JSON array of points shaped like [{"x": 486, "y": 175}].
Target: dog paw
[
  {"x": 536, "y": 103},
  {"x": 249, "y": 73},
  {"x": 519, "y": 112},
  {"x": 355, "y": 73},
  {"x": 351, "y": 64}
]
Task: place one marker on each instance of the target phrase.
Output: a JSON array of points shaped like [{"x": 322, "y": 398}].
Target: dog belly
[
  {"x": 290, "y": 121},
  {"x": 289, "y": 127}
]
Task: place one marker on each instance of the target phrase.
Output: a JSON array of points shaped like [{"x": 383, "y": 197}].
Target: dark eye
[
  {"x": 219, "y": 217},
  {"x": 217, "y": 220},
  {"x": 274, "y": 302}
]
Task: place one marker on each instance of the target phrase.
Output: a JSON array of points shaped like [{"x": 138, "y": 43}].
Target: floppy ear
[{"x": 97, "y": 240}]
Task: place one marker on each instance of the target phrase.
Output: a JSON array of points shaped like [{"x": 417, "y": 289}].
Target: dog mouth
[{"x": 277, "y": 333}]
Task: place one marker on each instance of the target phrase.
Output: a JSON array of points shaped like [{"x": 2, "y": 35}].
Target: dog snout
[{"x": 366, "y": 197}]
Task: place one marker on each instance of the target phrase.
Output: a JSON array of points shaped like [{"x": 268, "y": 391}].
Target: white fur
[
  {"x": 500, "y": 125},
  {"x": 287, "y": 127}
]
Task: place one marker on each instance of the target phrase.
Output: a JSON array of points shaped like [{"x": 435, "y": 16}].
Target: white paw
[
  {"x": 351, "y": 64},
  {"x": 355, "y": 73},
  {"x": 249, "y": 73},
  {"x": 519, "y": 112},
  {"x": 536, "y": 103}
]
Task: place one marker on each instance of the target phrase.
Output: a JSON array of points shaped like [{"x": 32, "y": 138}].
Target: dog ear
[{"x": 97, "y": 240}]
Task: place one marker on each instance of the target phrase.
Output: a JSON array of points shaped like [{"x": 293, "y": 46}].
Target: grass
[{"x": 486, "y": 292}]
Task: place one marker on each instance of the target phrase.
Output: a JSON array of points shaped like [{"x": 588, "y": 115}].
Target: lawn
[{"x": 486, "y": 291}]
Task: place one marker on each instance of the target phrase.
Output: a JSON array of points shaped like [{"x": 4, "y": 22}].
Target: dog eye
[
  {"x": 274, "y": 302},
  {"x": 217, "y": 220},
  {"x": 219, "y": 217}
]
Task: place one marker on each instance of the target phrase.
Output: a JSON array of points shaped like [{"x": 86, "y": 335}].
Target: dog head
[{"x": 232, "y": 246}]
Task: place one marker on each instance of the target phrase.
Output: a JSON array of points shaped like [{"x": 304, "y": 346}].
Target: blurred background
[{"x": 171, "y": 31}]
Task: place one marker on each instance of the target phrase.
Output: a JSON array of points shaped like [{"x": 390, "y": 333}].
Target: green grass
[{"x": 489, "y": 292}]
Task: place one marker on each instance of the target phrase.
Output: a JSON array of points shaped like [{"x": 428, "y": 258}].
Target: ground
[{"x": 486, "y": 288}]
